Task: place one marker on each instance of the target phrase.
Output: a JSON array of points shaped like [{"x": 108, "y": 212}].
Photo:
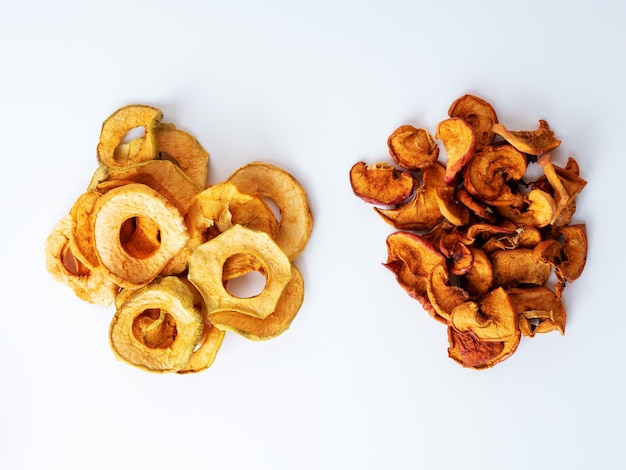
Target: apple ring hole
[
  {"x": 140, "y": 237},
  {"x": 72, "y": 265},
  {"x": 243, "y": 282},
  {"x": 155, "y": 328},
  {"x": 126, "y": 146},
  {"x": 275, "y": 208}
]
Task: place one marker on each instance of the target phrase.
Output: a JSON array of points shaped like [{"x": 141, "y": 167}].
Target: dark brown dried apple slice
[{"x": 479, "y": 114}]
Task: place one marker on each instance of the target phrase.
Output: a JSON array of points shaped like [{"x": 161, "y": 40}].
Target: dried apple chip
[
  {"x": 205, "y": 351},
  {"x": 422, "y": 210},
  {"x": 479, "y": 114},
  {"x": 269, "y": 181},
  {"x": 489, "y": 172},
  {"x": 185, "y": 151},
  {"x": 157, "y": 327},
  {"x": 116, "y": 126},
  {"x": 206, "y": 266},
  {"x": 478, "y": 251},
  {"x": 274, "y": 324},
  {"x": 141, "y": 258},
  {"x": 412, "y": 259},
  {"x": 412, "y": 148},
  {"x": 89, "y": 284},
  {"x": 459, "y": 142},
  {"x": 515, "y": 267},
  {"x": 491, "y": 318},
  {"x": 381, "y": 183},
  {"x": 537, "y": 142}
]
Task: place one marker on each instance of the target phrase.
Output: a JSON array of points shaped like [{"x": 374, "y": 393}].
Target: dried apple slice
[
  {"x": 443, "y": 296},
  {"x": 469, "y": 351},
  {"x": 412, "y": 258},
  {"x": 90, "y": 285},
  {"x": 205, "y": 351},
  {"x": 381, "y": 183},
  {"x": 422, "y": 210},
  {"x": 273, "y": 325},
  {"x": 450, "y": 207},
  {"x": 489, "y": 172},
  {"x": 540, "y": 210},
  {"x": 491, "y": 318},
  {"x": 574, "y": 251},
  {"x": 117, "y": 125},
  {"x": 269, "y": 181},
  {"x": 477, "y": 281},
  {"x": 537, "y": 142},
  {"x": 82, "y": 242},
  {"x": 162, "y": 176},
  {"x": 459, "y": 142},
  {"x": 412, "y": 148},
  {"x": 157, "y": 327},
  {"x": 219, "y": 207},
  {"x": 140, "y": 259},
  {"x": 539, "y": 310},
  {"x": 479, "y": 114},
  {"x": 185, "y": 151},
  {"x": 516, "y": 267},
  {"x": 206, "y": 267},
  {"x": 459, "y": 254}
]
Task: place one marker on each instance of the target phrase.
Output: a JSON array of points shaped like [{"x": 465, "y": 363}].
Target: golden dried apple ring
[
  {"x": 90, "y": 285},
  {"x": 257, "y": 329},
  {"x": 185, "y": 151},
  {"x": 157, "y": 327},
  {"x": 81, "y": 234},
  {"x": 206, "y": 267},
  {"x": 141, "y": 259},
  {"x": 117, "y": 125},
  {"x": 296, "y": 221},
  {"x": 205, "y": 353},
  {"x": 162, "y": 176}
]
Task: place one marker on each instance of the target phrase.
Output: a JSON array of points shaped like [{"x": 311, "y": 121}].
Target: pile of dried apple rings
[
  {"x": 486, "y": 249},
  {"x": 150, "y": 236}
]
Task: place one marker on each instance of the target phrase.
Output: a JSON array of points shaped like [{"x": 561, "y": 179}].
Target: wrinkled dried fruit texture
[
  {"x": 205, "y": 351},
  {"x": 479, "y": 114},
  {"x": 412, "y": 259},
  {"x": 269, "y": 181},
  {"x": 137, "y": 232},
  {"x": 185, "y": 151},
  {"x": 90, "y": 285},
  {"x": 221, "y": 206},
  {"x": 459, "y": 142},
  {"x": 274, "y": 324},
  {"x": 470, "y": 352},
  {"x": 480, "y": 241},
  {"x": 381, "y": 183},
  {"x": 536, "y": 142},
  {"x": 489, "y": 172},
  {"x": 157, "y": 327},
  {"x": 490, "y": 318},
  {"x": 412, "y": 148},
  {"x": 115, "y": 128},
  {"x": 515, "y": 267},
  {"x": 539, "y": 310},
  {"x": 422, "y": 210},
  {"x": 161, "y": 175},
  {"x": 206, "y": 267}
]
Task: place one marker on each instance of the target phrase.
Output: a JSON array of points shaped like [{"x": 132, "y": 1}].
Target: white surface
[{"x": 362, "y": 379}]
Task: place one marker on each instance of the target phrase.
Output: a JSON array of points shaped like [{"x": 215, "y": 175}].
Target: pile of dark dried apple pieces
[{"x": 486, "y": 248}]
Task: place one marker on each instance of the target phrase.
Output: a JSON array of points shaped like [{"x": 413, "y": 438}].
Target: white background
[{"x": 362, "y": 378}]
